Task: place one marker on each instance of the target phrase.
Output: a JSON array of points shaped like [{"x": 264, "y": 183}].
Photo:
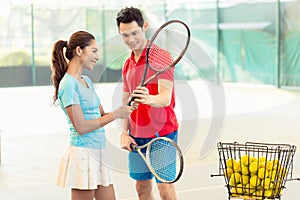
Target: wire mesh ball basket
[{"x": 255, "y": 170}]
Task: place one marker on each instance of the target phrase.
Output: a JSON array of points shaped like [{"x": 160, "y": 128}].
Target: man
[{"x": 155, "y": 114}]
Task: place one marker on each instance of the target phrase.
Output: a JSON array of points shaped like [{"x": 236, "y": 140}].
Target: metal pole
[
  {"x": 104, "y": 74},
  {"x": 218, "y": 74},
  {"x": 165, "y": 11},
  {"x": 278, "y": 46},
  {"x": 33, "y": 67}
]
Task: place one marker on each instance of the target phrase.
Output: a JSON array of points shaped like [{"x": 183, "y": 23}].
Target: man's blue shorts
[{"x": 138, "y": 170}]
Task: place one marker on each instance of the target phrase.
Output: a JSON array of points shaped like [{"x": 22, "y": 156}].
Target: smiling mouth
[{"x": 133, "y": 45}]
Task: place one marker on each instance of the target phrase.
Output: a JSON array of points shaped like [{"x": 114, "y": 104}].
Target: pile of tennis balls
[{"x": 254, "y": 177}]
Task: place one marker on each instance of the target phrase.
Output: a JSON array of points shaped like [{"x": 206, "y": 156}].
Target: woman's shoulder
[{"x": 67, "y": 81}]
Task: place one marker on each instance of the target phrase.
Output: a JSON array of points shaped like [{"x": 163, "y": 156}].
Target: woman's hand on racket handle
[
  {"x": 126, "y": 141},
  {"x": 123, "y": 112}
]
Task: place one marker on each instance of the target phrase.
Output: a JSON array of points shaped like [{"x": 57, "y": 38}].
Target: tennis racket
[
  {"x": 163, "y": 157},
  {"x": 165, "y": 49}
]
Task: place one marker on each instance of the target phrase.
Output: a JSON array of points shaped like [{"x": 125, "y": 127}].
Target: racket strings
[
  {"x": 167, "y": 46},
  {"x": 158, "y": 58},
  {"x": 163, "y": 158}
]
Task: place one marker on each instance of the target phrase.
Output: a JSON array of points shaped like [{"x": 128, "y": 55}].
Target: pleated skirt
[{"x": 83, "y": 168}]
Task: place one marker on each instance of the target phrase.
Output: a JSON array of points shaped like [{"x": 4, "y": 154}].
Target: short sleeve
[
  {"x": 168, "y": 74},
  {"x": 68, "y": 93},
  {"x": 124, "y": 79}
]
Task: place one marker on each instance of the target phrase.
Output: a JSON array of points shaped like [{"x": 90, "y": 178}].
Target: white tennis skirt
[{"x": 83, "y": 168}]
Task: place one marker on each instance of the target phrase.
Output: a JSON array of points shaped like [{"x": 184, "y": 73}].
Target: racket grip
[
  {"x": 131, "y": 100},
  {"x": 133, "y": 147}
]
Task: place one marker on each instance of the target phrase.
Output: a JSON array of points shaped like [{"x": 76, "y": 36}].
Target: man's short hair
[{"x": 128, "y": 15}]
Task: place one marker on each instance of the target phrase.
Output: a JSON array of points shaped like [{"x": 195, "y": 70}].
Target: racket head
[
  {"x": 167, "y": 45},
  {"x": 165, "y": 159}
]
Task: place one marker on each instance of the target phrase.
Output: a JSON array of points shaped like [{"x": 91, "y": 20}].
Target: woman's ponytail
[{"x": 59, "y": 65}]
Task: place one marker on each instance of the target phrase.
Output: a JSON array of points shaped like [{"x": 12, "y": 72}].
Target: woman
[{"x": 82, "y": 167}]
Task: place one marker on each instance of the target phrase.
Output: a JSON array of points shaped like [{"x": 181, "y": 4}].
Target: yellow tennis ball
[
  {"x": 245, "y": 160},
  {"x": 275, "y": 162},
  {"x": 254, "y": 181},
  {"x": 245, "y": 170},
  {"x": 284, "y": 172},
  {"x": 258, "y": 194},
  {"x": 268, "y": 193},
  {"x": 276, "y": 167},
  {"x": 272, "y": 175},
  {"x": 253, "y": 159},
  {"x": 236, "y": 167},
  {"x": 261, "y": 159},
  {"x": 235, "y": 179},
  {"x": 228, "y": 172},
  {"x": 253, "y": 167},
  {"x": 245, "y": 179},
  {"x": 239, "y": 189},
  {"x": 248, "y": 189},
  {"x": 230, "y": 162},
  {"x": 262, "y": 164},
  {"x": 262, "y": 173},
  {"x": 278, "y": 191},
  {"x": 267, "y": 184},
  {"x": 234, "y": 192},
  {"x": 269, "y": 165}
]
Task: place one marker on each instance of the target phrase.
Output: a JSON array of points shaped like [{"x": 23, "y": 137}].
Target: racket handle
[
  {"x": 131, "y": 100},
  {"x": 133, "y": 146}
]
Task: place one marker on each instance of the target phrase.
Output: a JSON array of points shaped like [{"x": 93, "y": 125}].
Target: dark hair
[
  {"x": 59, "y": 63},
  {"x": 128, "y": 15}
]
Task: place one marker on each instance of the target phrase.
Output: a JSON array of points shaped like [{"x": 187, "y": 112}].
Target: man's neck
[{"x": 137, "y": 53}]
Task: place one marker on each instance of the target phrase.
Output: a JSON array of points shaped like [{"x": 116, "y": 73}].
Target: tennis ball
[
  {"x": 236, "y": 167},
  {"x": 261, "y": 159},
  {"x": 276, "y": 167},
  {"x": 268, "y": 193},
  {"x": 253, "y": 159},
  {"x": 245, "y": 179},
  {"x": 262, "y": 164},
  {"x": 272, "y": 175},
  {"x": 239, "y": 189},
  {"x": 278, "y": 191},
  {"x": 245, "y": 160},
  {"x": 254, "y": 181},
  {"x": 228, "y": 172},
  {"x": 253, "y": 167},
  {"x": 262, "y": 173},
  {"x": 258, "y": 194},
  {"x": 245, "y": 170},
  {"x": 283, "y": 172},
  {"x": 248, "y": 189},
  {"x": 235, "y": 179},
  {"x": 269, "y": 165},
  {"x": 234, "y": 192},
  {"x": 275, "y": 162},
  {"x": 267, "y": 184},
  {"x": 230, "y": 162}
]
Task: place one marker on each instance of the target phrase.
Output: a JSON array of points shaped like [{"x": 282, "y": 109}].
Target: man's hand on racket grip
[
  {"x": 141, "y": 95},
  {"x": 126, "y": 140}
]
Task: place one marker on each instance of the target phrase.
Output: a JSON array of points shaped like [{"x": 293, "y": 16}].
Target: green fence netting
[{"x": 254, "y": 42}]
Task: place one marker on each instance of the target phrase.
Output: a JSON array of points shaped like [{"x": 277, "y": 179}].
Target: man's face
[{"x": 133, "y": 35}]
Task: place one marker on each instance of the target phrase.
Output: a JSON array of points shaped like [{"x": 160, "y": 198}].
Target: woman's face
[{"x": 90, "y": 56}]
